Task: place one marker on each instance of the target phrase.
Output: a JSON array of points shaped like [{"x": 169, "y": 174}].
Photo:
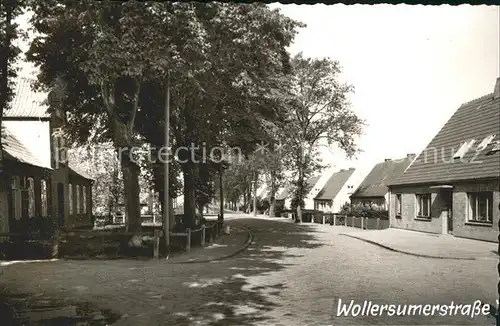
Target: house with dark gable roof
[
  {"x": 284, "y": 196},
  {"x": 37, "y": 181},
  {"x": 335, "y": 192},
  {"x": 373, "y": 190},
  {"x": 452, "y": 187}
]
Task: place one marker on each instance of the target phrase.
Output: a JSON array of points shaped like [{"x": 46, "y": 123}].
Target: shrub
[
  {"x": 40, "y": 228},
  {"x": 362, "y": 211}
]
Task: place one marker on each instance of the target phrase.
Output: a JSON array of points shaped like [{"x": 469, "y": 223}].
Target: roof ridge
[{"x": 477, "y": 99}]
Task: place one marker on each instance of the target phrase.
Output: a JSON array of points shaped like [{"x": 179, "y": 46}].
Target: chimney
[
  {"x": 350, "y": 169},
  {"x": 496, "y": 91},
  {"x": 387, "y": 160},
  {"x": 410, "y": 156}
]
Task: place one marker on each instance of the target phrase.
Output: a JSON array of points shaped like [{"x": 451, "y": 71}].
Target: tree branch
[
  {"x": 136, "y": 105},
  {"x": 109, "y": 101}
]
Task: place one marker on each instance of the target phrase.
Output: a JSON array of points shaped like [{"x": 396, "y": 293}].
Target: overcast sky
[{"x": 411, "y": 66}]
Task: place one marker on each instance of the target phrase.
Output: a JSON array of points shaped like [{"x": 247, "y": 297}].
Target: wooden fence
[
  {"x": 205, "y": 234},
  {"x": 111, "y": 242},
  {"x": 82, "y": 243},
  {"x": 352, "y": 221}
]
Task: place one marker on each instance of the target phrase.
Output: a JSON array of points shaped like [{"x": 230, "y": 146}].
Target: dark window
[
  {"x": 424, "y": 205},
  {"x": 398, "y": 205},
  {"x": 480, "y": 207}
]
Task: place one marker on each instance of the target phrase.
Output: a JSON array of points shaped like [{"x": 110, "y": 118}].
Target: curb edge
[
  {"x": 242, "y": 248},
  {"x": 408, "y": 252}
]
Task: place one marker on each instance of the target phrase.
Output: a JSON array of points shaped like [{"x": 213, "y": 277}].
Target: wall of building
[
  {"x": 309, "y": 199},
  {"x": 35, "y": 136},
  {"x": 323, "y": 205},
  {"x": 437, "y": 223},
  {"x": 347, "y": 190},
  {"x": 378, "y": 201},
  {"x": 408, "y": 219},
  {"x": 464, "y": 229},
  {"x": 4, "y": 209}
]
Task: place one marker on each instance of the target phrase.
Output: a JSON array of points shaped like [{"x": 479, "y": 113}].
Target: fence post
[
  {"x": 156, "y": 249},
  {"x": 203, "y": 235},
  {"x": 334, "y": 219},
  {"x": 323, "y": 219},
  {"x": 362, "y": 220},
  {"x": 378, "y": 223},
  {"x": 188, "y": 243},
  {"x": 352, "y": 225}
]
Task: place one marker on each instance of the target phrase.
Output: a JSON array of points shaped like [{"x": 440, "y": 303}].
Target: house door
[
  {"x": 448, "y": 206},
  {"x": 60, "y": 204}
]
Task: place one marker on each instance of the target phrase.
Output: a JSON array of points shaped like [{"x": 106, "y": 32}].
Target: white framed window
[
  {"x": 398, "y": 205},
  {"x": 16, "y": 197},
  {"x": 43, "y": 197},
  {"x": 84, "y": 199},
  {"x": 480, "y": 207},
  {"x": 70, "y": 198},
  {"x": 59, "y": 147},
  {"x": 77, "y": 199},
  {"x": 423, "y": 205},
  {"x": 31, "y": 197},
  {"x": 464, "y": 148}
]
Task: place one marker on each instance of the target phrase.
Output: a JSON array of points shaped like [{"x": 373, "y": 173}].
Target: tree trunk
[
  {"x": 255, "y": 196},
  {"x": 221, "y": 195},
  {"x": 272, "y": 198},
  {"x": 301, "y": 195},
  {"x": 131, "y": 173},
  {"x": 172, "y": 212},
  {"x": 249, "y": 196},
  {"x": 189, "y": 194},
  {"x": 272, "y": 207},
  {"x": 4, "y": 71},
  {"x": 161, "y": 195}
]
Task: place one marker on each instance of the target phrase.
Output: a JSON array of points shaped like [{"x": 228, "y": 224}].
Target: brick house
[
  {"x": 335, "y": 192},
  {"x": 37, "y": 182},
  {"x": 373, "y": 190},
  {"x": 453, "y": 185}
]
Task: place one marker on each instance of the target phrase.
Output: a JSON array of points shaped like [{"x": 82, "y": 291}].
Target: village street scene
[{"x": 189, "y": 163}]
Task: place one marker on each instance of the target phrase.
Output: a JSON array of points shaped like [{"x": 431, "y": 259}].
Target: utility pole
[
  {"x": 255, "y": 195},
  {"x": 221, "y": 193},
  {"x": 166, "y": 206}
]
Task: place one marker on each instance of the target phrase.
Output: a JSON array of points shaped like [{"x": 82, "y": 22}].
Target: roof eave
[
  {"x": 434, "y": 183},
  {"x": 19, "y": 118}
]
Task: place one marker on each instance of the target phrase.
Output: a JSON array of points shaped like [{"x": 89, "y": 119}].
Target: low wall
[
  {"x": 352, "y": 221},
  {"x": 118, "y": 243}
]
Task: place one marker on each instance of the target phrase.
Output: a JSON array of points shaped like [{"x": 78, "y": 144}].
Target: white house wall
[
  {"x": 34, "y": 135},
  {"x": 343, "y": 195},
  {"x": 309, "y": 200}
]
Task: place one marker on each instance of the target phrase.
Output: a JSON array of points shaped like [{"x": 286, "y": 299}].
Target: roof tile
[
  {"x": 27, "y": 103},
  {"x": 477, "y": 120},
  {"x": 16, "y": 151},
  {"x": 334, "y": 184},
  {"x": 375, "y": 183}
]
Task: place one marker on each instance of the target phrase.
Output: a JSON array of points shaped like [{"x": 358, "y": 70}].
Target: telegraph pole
[
  {"x": 166, "y": 206},
  {"x": 255, "y": 195}
]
